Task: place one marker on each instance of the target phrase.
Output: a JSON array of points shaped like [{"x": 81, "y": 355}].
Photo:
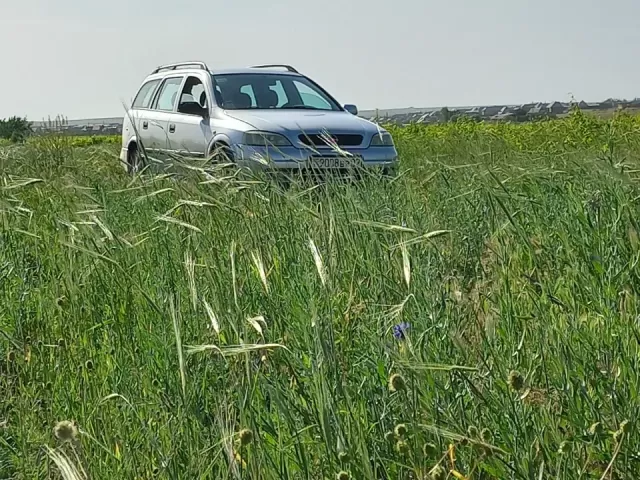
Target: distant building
[
  {"x": 535, "y": 110},
  {"x": 490, "y": 111},
  {"x": 556, "y": 108}
]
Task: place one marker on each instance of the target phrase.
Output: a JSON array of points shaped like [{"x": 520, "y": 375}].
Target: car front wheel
[{"x": 221, "y": 154}]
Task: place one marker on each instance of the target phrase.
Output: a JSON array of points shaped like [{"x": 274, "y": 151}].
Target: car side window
[
  {"x": 145, "y": 95},
  {"x": 193, "y": 91},
  {"x": 166, "y": 99},
  {"x": 310, "y": 98},
  {"x": 199, "y": 93}
]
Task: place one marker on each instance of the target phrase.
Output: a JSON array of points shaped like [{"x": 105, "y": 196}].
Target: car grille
[{"x": 342, "y": 139}]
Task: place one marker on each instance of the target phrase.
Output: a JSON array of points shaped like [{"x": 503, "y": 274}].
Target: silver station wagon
[{"x": 267, "y": 116}]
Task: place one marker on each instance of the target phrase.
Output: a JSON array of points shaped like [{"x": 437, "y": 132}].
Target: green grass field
[{"x": 209, "y": 327}]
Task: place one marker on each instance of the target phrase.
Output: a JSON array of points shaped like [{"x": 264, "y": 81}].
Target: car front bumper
[{"x": 293, "y": 158}]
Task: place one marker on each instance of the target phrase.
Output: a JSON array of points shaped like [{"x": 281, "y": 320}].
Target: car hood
[{"x": 310, "y": 121}]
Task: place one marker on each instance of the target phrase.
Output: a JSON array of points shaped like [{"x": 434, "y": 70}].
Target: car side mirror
[
  {"x": 352, "y": 109},
  {"x": 193, "y": 108}
]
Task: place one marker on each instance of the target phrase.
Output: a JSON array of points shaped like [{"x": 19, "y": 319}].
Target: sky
[{"x": 83, "y": 59}]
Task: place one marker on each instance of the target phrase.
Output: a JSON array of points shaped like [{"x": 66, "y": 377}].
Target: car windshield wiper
[{"x": 299, "y": 107}]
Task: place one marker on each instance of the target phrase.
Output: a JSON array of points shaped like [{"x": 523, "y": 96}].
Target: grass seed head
[
  {"x": 396, "y": 382},
  {"x": 389, "y": 436},
  {"x": 485, "y": 435},
  {"x": 516, "y": 380},
  {"x": 88, "y": 365},
  {"x": 472, "y": 431},
  {"x": 65, "y": 431},
  {"x": 343, "y": 476}
]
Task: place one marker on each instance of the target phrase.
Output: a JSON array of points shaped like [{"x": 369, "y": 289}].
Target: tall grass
[{"x": 476, "y": 317}]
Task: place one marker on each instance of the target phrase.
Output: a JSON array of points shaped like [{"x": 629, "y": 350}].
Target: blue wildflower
[{"x": 400, "y": 330}]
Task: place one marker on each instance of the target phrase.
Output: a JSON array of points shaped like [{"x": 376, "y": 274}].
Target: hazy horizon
[{"x": 83, "y": 60}]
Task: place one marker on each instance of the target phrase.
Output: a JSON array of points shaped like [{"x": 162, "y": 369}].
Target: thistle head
[
  {"x": 400, "y": 330},
  {"x": 617, "y": 435},
  {"x": 625, "y": 426},
  {"x": 245, "y": 436},
  {"x": 429, "y": 450},
  {"x": 396, "y": 382},
  {"x": 596, "y": 429},
  {"x": 516, "y": 380},
  {"x": 402, "y": 447},
  {"x": 400, "y": 430},
  {"x": 438, "y": 473},
  {"x": 65, "y": 431}
]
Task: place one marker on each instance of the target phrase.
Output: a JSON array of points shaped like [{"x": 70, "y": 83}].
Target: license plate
[{"x": 332, "y": 162}]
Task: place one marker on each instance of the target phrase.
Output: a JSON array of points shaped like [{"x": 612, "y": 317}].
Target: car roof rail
[
  {"x": 288, "y": 67},
  {"x": 175, "y": 66}
]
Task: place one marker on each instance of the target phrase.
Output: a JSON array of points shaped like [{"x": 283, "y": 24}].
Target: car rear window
[{"x": 145, "y": 94}]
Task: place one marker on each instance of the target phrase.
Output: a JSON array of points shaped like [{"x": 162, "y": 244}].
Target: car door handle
[
  {"x": 172, "y": 127},
  {"x": 145, "y": 124}
]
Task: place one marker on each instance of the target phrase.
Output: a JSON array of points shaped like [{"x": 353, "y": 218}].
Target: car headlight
[
  {"x": 265, "y": 139},
  {"x": 381, "y": 139}
]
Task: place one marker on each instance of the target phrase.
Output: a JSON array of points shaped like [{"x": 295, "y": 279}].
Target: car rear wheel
[{"x": 390, "y": 172}]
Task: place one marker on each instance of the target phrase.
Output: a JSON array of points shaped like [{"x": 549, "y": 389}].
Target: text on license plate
[{"x": 332, "y": 162}]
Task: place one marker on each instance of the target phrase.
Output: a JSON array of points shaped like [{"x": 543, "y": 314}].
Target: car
[{"x": 265, "y": 116}]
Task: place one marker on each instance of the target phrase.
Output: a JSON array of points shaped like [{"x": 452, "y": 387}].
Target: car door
[
  {"x": 154, "y": 123},
  {"x": 140, "y": 105},
  {"x": 189, "y": 129}
]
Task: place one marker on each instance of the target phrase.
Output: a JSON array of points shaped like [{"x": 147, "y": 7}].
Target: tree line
[{"x": 15, "y": 129}]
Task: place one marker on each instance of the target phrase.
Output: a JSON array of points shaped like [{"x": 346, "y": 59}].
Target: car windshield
[{"x": 244, "y": 91}]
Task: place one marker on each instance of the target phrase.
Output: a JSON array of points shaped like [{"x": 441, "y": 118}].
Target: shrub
[{"x": 15, "y": 129}]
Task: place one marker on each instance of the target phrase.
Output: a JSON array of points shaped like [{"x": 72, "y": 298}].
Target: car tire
[
  {"x": 390, "y": 172},
  {"x": 135, "y": 160},
  {"x": 221, "y": 154}
]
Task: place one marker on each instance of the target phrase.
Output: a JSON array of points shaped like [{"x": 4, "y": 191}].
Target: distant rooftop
[{"x": 85, "y": 121}]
